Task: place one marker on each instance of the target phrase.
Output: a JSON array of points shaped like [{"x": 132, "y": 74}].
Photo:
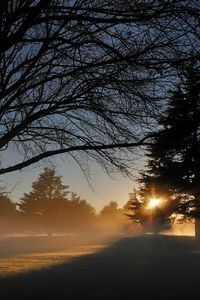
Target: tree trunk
[{"x": 197, "y": 229}]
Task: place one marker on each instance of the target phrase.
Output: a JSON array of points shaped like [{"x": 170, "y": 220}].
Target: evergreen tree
[
  {"x": 82, "y": 216},
  {"x": 112, "y": 219},
  {"x": 173, "y": 167},
  {"x": 47, "y": 202},
  {"x": 110, "y": 211},
  {"x": 8, "y": 214},
  {"x": 153, "y": 213}
]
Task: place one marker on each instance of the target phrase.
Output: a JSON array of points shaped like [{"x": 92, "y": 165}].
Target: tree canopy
[
  {"x": 79, "y": 77},
  {"x": 47, "y": 193},
  {"x": 173, "y": 166},
  {"x": 174, "y": 158},
  {"x": 9, "y": 214},
  {"x": 50, "y": 207}
]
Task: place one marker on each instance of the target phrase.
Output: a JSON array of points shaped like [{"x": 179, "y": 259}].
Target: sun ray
[{"x": 153, "y": 203}]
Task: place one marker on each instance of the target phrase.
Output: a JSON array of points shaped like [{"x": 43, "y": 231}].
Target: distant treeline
[{"x": 50, "y": 208}]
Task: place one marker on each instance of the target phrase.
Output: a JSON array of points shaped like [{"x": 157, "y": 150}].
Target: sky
[{"x": 100, "y": 191}]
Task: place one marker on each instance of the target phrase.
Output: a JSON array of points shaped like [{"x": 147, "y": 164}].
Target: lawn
[{"x": 146, "y": 267}]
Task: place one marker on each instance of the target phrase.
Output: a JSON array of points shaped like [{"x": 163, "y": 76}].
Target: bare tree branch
[{"x": 88, "y": 77}]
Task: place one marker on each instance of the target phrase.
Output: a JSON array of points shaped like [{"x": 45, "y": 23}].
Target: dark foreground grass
[{"x": 161, "y": 267}]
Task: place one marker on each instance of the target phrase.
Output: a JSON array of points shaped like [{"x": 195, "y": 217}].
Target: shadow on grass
[{"x": 148, "y": 267}]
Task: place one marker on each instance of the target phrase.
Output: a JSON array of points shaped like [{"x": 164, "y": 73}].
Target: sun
[{"x": 154, "y": 202}]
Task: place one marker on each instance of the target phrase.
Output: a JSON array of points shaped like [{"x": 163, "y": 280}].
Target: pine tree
[
  {"x": 82, "y": 216},
  {"x": 153, "y": 218},
  {"x": 109, "y": 211},
  {"x": 47, "y": 202},
  {"x": 173, "y": 167}
]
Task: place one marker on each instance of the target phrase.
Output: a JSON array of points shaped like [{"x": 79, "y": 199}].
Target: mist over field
[
  {"x": 98, "y": 268},
  {"x": 25, "y": 252},
  {"x": 102, "y": 84}
]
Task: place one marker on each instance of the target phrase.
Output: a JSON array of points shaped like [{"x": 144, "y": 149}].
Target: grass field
[
  {"x": 146, "y": 267},
  {"x": 23, "y": 254}
]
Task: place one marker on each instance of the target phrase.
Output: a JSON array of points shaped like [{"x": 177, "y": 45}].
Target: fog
[
  {"x": 50, "y": 235},
  {"x": 53, "y": 268},
  {"x": 19, "y": 239}
]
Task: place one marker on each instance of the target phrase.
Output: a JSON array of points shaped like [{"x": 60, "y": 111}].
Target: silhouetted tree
[
  {"x": 76, "y": 76},
  {"x": 174, "y": 156},
  {"x": 46, "y": 203},
  {"x": 110, "y": 211},
  {"x": 152, "y": 218},
  {"x": 81, "y": 215},
  {"x": 9, "y": 216},
  {"x": 112, "y": 219}
]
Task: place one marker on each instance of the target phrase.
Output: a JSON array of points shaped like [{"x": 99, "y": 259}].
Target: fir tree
[
  {"x": 82, "y": 215},
  {"x": 47, "y": 202},
  {"x": 153, "y": 218},
  {"x": 173, "y": 167}
]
